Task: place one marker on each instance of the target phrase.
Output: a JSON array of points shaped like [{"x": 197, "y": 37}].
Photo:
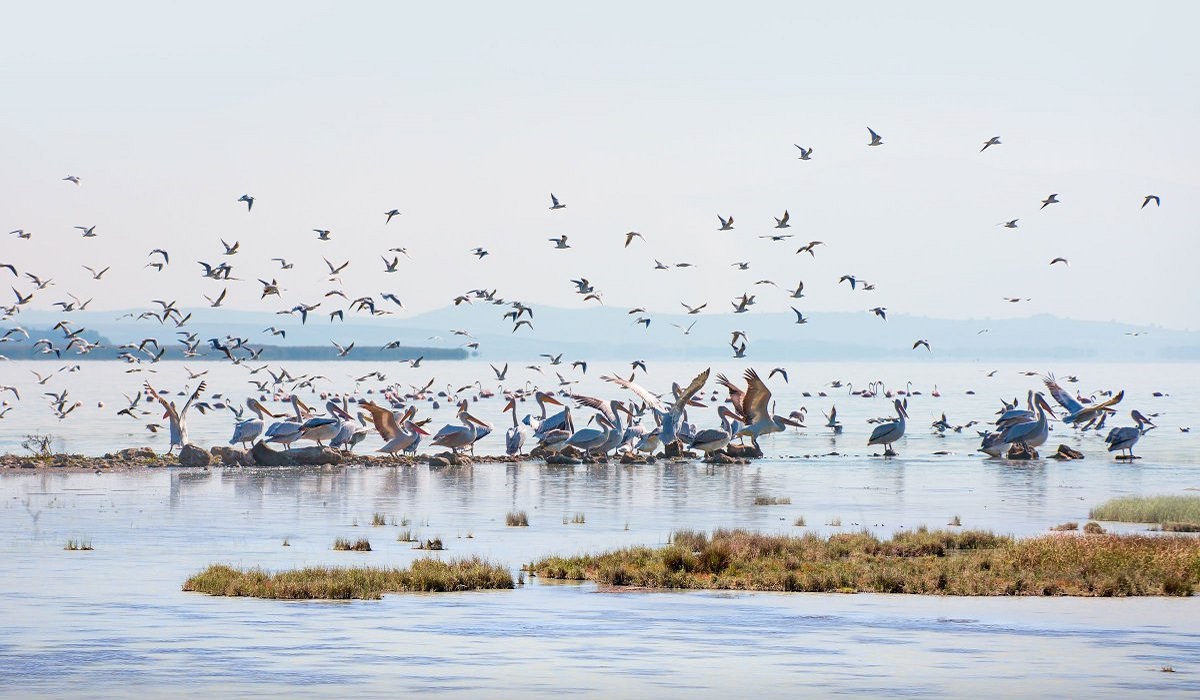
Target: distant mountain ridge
[{"x": 611, "y": 333}]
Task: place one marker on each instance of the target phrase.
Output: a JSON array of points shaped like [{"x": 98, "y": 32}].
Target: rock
[
  {"x": 227, "y": 454},
  {"x": 304, "y": 456},
  {"x": 721, "y": 458},
  {"x": 130, "y": 453},
  {"x": 561, "y": 459},
  {"x": 192, "y": 456},
  {"x": 745, "y": 451},
  {"x": 1065, "y": 452},
  {"x": 28, "y": 465},
  {"x": 438, "y": 462},
  {"x": 1021, "y": 451}
]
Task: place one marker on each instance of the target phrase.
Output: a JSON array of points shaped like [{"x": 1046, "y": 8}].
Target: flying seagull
[
  {"x": 920, "y": 342},
  {"x": 805, "y": 153},
  {"x": 1060, "y": 260},
  {"x": 1151, "y": 198},
  {"x": 726, "y": 224},
  {"x": 248, "y": 200},
  {"x": 876, "y": 139},
  {"x": 1052, "y": 199},
  {"x": 72, "y": 178},
  {"x": 554, "y": 203},
  {"x": 994, "y": 141},
  {"x": 390, "y": 214},
  {"x": 1009, "y": 224},
  {"x": 631, "y": 235},
  {"x": 783, "y": 223}
]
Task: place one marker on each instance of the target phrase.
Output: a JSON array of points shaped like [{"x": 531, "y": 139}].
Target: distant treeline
[{"x": 24, "y": 350}]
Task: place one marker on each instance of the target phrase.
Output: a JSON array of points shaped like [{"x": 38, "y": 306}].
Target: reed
[
  {"x": 378, "y": 520},
  {"x": 516, "y": 518},
  {"x": 74, "y": 545},
  {"x": 968, "y": 562},
  {"x": 772, "y": 501},
  {"x": 433, "y": 545},
  {"x": 344, "y": 545},
  {"x": 1149, "y": 509},
  {"x": 333, "y": 583},
  {"x": 800, "y": 521},
  {"x": 1066, "y": 527},
  {"x": 578, "y": 519},
  {"x": 955, "y": 522},
  {"x": 406, "y": 535}
]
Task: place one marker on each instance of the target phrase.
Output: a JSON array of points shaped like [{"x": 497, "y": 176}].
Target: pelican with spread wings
[
  {"x": 178, "y": 418},
  {"x": 670, "y": 417},
  {"x": 754, "y": 406},
  {"x": 1076, "y": 411}
]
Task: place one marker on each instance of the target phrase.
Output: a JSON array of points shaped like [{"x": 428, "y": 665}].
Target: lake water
[{"x": 113, "y": 622}]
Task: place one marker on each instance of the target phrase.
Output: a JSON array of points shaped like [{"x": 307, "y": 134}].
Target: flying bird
[
  {"x": 994, "y": 141},
  {"x": 1060, "y": 260},
  {"x": 390, "y": 214},
  {"x": 560, "y": 243},
  {"x": 1151, "y": 198},
  {"x": 782, "y": 223},
  {"x": 876, "y": 139},
  {"x": 1009, "y": 224},
  {"x": 72, "y": 178},
  {"x": 631, "y": 235},
  {"x": 726, "y": 224},
  {"x": 805, "y": 153},
  {"x": 799, "y": 316},
  {"x": 479, "y": 252},
  {"x": 248, "y": 200},
  {"x": 1052, "y": 199},
  {"x": 922, "y": 342},
  {"x": 554, "y": 203}
]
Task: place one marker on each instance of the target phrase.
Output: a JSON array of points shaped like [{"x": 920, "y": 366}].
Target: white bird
[
  {"x": 554, "y": 203},
  {"x": 994, "y": 141},
  {"x": 890, "y": 432},
  {"x": 805, "y": 153},
  {"x": 876, "y": 140},
  {"x": 1052, "y": 199}
]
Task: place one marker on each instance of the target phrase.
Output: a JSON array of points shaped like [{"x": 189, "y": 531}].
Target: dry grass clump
[
  {"x": 342, "y": 544},
  {"x": 772, "y": 501},
  {"x": 578, "y": 519},
  {"x": 378, "y": 520},
  {"x": 433, "y": 545},
  {"x": 800, "y": 521},
  {"x": 1180, "y": 527},
  {"x": 74, "y": 545},
  {"x": 1093, "y": 528},
  {"x": 516, "y": 518},
  {"x": 424, "y": 575},
  {"x": 967, "y": 562},
  {"x": 1149, "y": 509},
  {"x": 955, "y": 522},
  {"x": 1070, "y": 526},
  {"x": 406, "y": 535}
]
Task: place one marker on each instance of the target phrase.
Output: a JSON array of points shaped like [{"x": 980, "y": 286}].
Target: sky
[{"x": 648, "y": 117}]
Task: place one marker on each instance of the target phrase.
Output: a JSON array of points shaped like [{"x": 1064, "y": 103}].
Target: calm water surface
[{"x": 113, "y": 622}]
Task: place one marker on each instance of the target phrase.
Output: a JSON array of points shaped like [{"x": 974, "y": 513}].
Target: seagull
[
  {"x": 686, "y": 330},
  {"x": 782, "y": 223},
  {"x": 799, "y": 316},
  {"x": 805, "y": 154},
  {"x": 726, "y": 224},
  {"x": 631, "y": 235},
  {"x": 880, "y": 311},
  {"x": 808, "y": 248},
  {"x": 342, "y": 351},
  {"x": 333, "y": 270},
  {"x": 560, "y": 243},
  {"x": 741, "y": 265},
  {"x": 1052, "y": 199},
  {"x": 159, "y": 251},
  {"x": 1060, "y": 260},
  {"x": 799, "y": 292},
  {"x": 390, "y": 266},
  {"x": 479, "y": 253},
  {"x": 1009, "y": 224},
  {"x": 231, "y": 249},
  {"x": 390, "y": 214},
  {"x": 693, "y": 310},
  {"x": 922, "y": 342},
  {"x": 214, "y": 303},
  {"x": 851, "y": 279},
  {"x": 500, "y": 373},
  {"x": 248, "y": 200},
  {"x": 780, "y": 371},
  {"x": 1151, "y": 198},
  {"x": 554, "y": 203},
  {"x": 21, "y": 233},
  {"x": 283, "y": 264},
  {"x": 96, "y": 275},
  {"x": 876, "y": 140},
  {"x": 72, "y": 178},
  {"x": 88, "y": 231},
  {"x": 322, "y": 233},
  {"x": 994, "y": 141}
]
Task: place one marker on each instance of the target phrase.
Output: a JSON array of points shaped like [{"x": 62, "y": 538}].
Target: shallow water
[{"x": 114, "y": 622}]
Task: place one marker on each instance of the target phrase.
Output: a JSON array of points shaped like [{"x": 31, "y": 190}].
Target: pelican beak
[
  {"x": 419, "y": 429},
  {"x": 1046, "y": 406},
  {"x": 550, "y": 399},
  {"x": 789, "y": 421}
]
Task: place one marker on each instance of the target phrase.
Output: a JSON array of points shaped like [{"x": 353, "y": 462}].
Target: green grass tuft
[
  {"x": 424, "y": 575},
  {"x": 1149, "y": 509},
  {"x": 969, "y": 562}
]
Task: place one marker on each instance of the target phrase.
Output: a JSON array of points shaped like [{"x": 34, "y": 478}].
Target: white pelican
[
  {"x": 1076, "y": 411},
  {"x": 889, "y": 433},
  {"x": 670, "y": 418},
  {"x": 178, "y": 418},
  {"x": 612, "y": 411},
  {"x": 590, "y": 439},
  {"x": 514, "y": 439},
  {"x": 288, "y": 431},
  {"x": 456, "y": 437},
  {"x": 1033, "y": 433},
  {"x": 546, "y": 424},
  {"x": 1123, "y": 439},
  {"x": 710, "y": 440},
  {"x": 248, "y": 430},
  {"x": 398, "y": 434},
  {"x": 753, "y": 406}
]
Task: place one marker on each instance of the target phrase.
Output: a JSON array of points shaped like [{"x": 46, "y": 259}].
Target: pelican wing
[
  {"x": 650, "y": 399},
  {"x": 592, "y": 402},
  {"x": 1061, "y": 396},
  {"x": 736, "y": 394},
  {"x": 757, "y": 401},
  {"x": 692, "y": 389},
  {"x": 384, "y": 420}
]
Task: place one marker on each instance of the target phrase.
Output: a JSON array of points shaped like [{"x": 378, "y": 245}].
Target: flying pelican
[
  {"x": 1124, "y": 438},
  {"x": 890, "y": 432},
  {"x": 876, "y": 140},
  {"x": 178, "y": 418},
  {"x": 1076, "y": 411},
  {"x": 514, "y": 439},
  {"x": 753, "y": 407},
  {"x": 398, "y": 434},
  {"x": 248, "y": 430}
]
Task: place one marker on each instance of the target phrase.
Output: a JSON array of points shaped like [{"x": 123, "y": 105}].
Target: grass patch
[
  {"x": 378, "y": 520},
  {"x": 74, "y": 545},
  {"x": 1066, "y": 527},
  {"x": 578, "y": 519},
  {"x": 424, "y": 575},
  {"x": 342, "y": 544},
  {"x": 1149, "y": 509},
  {"x": 433, "y": 545},
  {"x": 1093, "y": 528},
  {"x": 287, "y": 542},
  {"x": 955, "y": 522},
  {"x": 406, "y": 535},
  {"x": 516, "y": 518},
  {"x": 1180, "y": 527},
  {"x": 967, "y": 562},
  {"x": 772, "y": 501},
  {"x": 800, "y": 522},
  {"x": 835, "y": 522}
]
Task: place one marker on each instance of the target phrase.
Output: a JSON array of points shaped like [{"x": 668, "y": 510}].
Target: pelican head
[
  {"x": 1045, "y": 405},
  {"x": 900, "y": 409}
]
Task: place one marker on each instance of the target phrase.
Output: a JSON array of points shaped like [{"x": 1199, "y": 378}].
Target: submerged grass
[
  {"x": 772, "y": 501},
  {"x": 516, "y": 518},
  {"x": 74, "y": 545},
  {"x": 1149, "y": 509},
  {"x": 967, "y": 562},
  {"x": 344, "y": 545},
  {"x": 424, "y": 575}
]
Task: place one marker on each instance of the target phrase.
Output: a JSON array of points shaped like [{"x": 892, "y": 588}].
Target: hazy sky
[{"x": 640, "y": 116}]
